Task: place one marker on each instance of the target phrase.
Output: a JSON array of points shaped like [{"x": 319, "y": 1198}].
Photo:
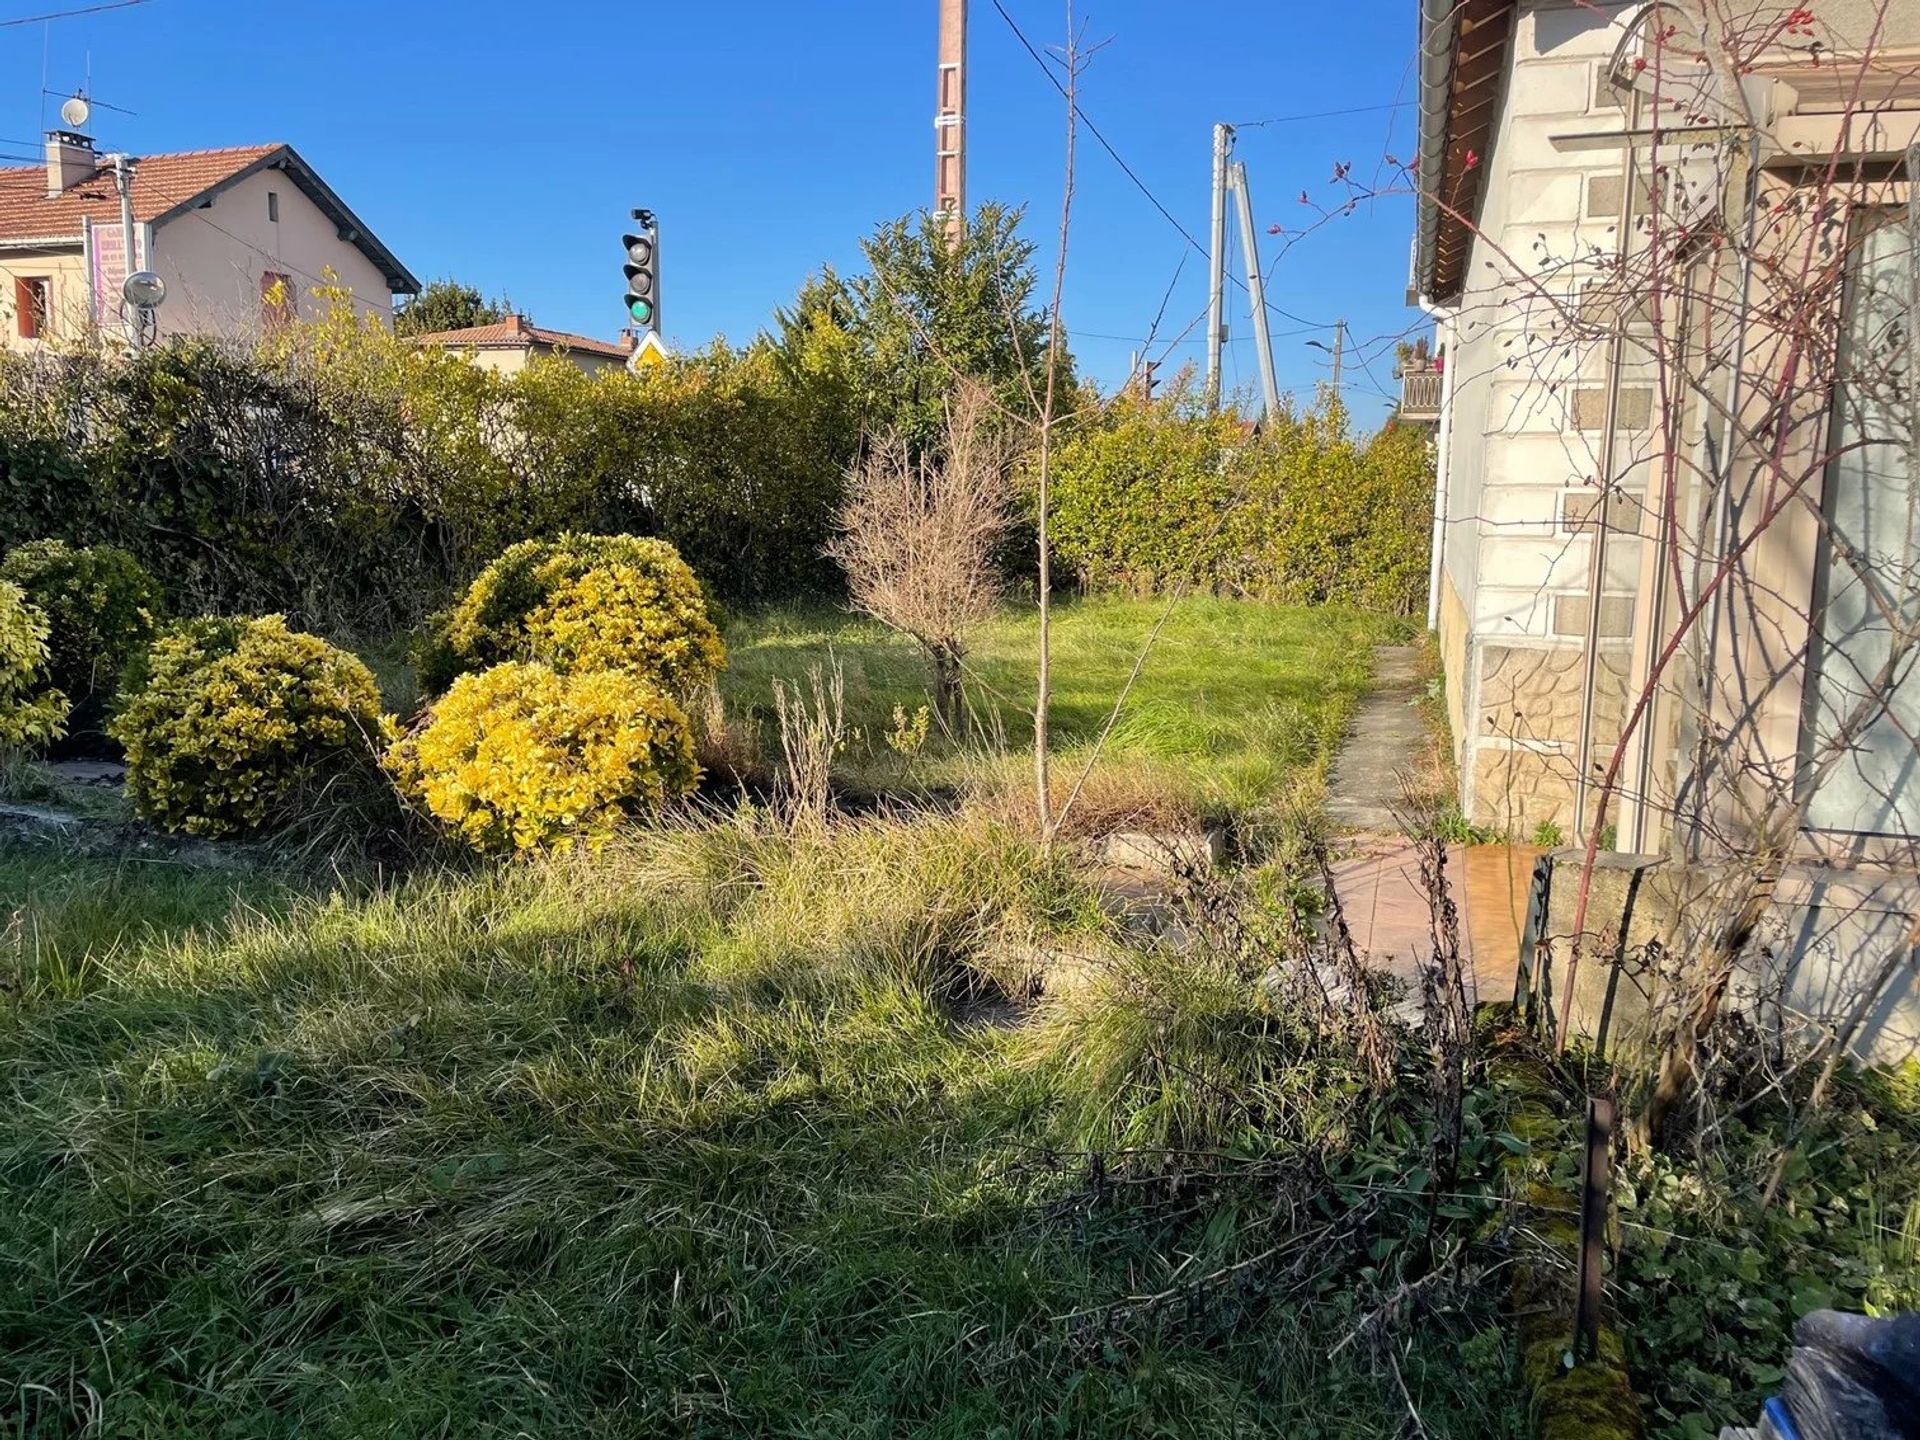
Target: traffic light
[{"x": 643, "y": 271}]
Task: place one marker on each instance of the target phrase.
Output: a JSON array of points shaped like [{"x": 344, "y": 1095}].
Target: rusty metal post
[{"x": 1596, "y": 1182}]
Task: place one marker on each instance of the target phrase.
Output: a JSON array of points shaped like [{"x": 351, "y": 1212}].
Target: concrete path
[
  {"x": 1377, "y": 870},
  {"x": 1387, "y": 739}
]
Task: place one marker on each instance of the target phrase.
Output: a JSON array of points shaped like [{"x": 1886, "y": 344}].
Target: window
[
  {"x": 276, "y": 299},
  {"x": 1863, "y": 693},
  {"x": 273, "y": 206},
  {"x": 32, "y": 305}
]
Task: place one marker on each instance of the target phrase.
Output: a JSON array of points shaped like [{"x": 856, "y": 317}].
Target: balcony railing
[{"x": 1420, "y": 395}]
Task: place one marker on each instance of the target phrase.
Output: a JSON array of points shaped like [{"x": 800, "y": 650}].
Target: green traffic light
[{"x": 641, "y": 310}]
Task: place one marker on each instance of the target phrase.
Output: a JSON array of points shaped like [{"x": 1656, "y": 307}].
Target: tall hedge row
[
  {"x": 354, "y": 482},
  {"x": 1155, "y": 494}
]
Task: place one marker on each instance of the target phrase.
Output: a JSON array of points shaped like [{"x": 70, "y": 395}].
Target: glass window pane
[{"x": 1862, "y": 716}]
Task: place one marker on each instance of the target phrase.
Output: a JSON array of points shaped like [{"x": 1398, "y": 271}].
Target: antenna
[{"x": 75, "y": 112}]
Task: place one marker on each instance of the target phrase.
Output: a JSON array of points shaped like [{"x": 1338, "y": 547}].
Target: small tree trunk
[
  {"x": 1714, "y": 972},
  {"x": 949, "y": 699}
]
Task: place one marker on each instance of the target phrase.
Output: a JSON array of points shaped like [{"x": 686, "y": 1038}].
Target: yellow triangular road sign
[{"x": 648, "y": 353}]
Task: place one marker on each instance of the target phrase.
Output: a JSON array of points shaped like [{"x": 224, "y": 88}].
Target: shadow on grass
[{"x": 672, "y": 1144}]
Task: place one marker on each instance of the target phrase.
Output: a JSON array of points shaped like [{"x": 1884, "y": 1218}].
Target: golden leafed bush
[
  {"x": 235, "y": 726},
  {"x": 101, "y": 607},
  {"x": 579, "y": 603},
  {"x": 523, "y": 757},
  {"x": 31, "y": 713}
]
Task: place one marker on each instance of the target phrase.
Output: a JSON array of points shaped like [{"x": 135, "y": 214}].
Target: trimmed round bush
[
  {"x": 32, "y": 712},
  {"x": 234, "y": 727},
  {"x": 521, "y": 757},
  {"x": 579, "y": 603},
  {"x": 101, "y": 607}
]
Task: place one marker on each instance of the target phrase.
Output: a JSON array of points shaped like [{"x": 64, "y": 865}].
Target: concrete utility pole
[
  {"x": 1256, "y": 290},
  {"x": 950, "y": 121},
  {"x": 1335, "y": 350},
  {"x": 1217, "y": 264},
  {"x": 123, "y": 181}
]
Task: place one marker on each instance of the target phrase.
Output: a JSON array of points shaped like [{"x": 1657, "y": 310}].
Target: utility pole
[
  {"x": 123, "y": 181},
  {"x": 1217, "y": 264},
  {"x": 1336, "y": 351},
  {"x": 1339, "y": 346},
  {"x": 950, "y": 122},
  {"x": 1256, "y": 292}
]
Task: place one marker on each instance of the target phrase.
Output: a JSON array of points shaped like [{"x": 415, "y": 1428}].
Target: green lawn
[
  {"x": 688, "y": 1140},
  {"x": 1240, "y": 704}
]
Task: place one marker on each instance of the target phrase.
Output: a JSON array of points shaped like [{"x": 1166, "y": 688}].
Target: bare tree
[{"x": 917, "y": 538}]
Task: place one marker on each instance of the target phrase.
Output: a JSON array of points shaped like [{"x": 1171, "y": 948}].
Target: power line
[
  {"x": 1094, "y": 130},
  {"x": 69, "y": 14},
  {"x": 1128, "y": 170},
  {"x": 1320, "y": 115},
  {"x": 92, "y": 102}
]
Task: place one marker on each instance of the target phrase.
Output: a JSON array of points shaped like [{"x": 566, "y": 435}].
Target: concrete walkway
[
  {"x": 1377, "y": 870},
  {"x": 1364, "y": 790}
]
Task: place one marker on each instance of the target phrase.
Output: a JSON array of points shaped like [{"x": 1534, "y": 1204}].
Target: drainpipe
[
  {"x": 1443, "y": 442},
  {"x": 1597, "y": 560},
  {"x": 1723, "y": 498},
  {"x": 1650, "y": 626}
]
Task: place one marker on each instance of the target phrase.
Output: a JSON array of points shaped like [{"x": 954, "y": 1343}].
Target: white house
[
  {"x": 239, "y": 236},
  {"x": 1670, "y": 251}
]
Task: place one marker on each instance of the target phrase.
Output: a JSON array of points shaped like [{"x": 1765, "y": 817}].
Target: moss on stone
[
  {"x": 1589, "y": 1402},
  {"x": 1593, "y": 1401}
]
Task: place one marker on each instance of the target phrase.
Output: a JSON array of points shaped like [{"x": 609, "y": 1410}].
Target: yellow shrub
[
  {"x": 580, "y": 603},
  {"x": 520, "y": 757},
  {"x": 31, "y": 713},
  {"x": 234, "y": 726}
]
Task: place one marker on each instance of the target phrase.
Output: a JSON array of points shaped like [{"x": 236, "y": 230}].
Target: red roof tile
[
  {"x": 165, "y": 185},
  {"x": 517, "y": 333},
  {"x": 160, "y": 183}
]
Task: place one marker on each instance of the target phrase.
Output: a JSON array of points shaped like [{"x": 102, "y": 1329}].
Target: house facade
[
  {"x": 511, "y": 344},
  {"x": 1667, "y": 250},
  {"x": 239, "y": 236}
]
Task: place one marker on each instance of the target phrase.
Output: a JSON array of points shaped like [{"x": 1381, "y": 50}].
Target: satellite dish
[
  {"x": 144, "y": 290},
  {"x": 75, "y": 112}
]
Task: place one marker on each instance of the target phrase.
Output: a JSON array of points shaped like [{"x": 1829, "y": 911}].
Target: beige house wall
[
  {"x": 1526, "y": 443},
  {"x": 212, "y": 259},
  {"x": 68, "y": 300},
  {"x": 503, "y": 360},
  {"x": 1525, "y": 434}
]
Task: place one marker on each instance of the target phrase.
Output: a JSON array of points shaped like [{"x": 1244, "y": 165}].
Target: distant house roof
[
  {"x": 516, "y": 332},
  {"x": 1463, "y": 60},
  {"x": 166, "y": 186}
]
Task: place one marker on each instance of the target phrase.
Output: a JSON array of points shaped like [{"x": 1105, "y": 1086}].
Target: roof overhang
[
  {"x": 1464, "y": 46},
  {"x": 347, "y": 225},
  {"x": 42, "y": 242}
]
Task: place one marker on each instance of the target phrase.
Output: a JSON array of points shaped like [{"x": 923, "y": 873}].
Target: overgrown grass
[
  {"x": 707, "y": 1137},
  {"x": 1240, "y": 705}
]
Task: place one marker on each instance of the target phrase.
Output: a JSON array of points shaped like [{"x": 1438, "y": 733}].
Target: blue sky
[{"x": 504, "y": 142}]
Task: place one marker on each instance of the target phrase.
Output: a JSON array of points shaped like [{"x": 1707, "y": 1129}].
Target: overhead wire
[
  {"x": 1319, "y": 115},
  {"x": 1126, "y": 169},
  {"x": 70, "y": 14}
]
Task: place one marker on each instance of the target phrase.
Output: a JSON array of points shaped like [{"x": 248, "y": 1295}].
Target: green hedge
[
  {"x": 1159, "y": 493},
  {"x": 101, "y": 607},
  {"x": 356, "y": 483}
]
